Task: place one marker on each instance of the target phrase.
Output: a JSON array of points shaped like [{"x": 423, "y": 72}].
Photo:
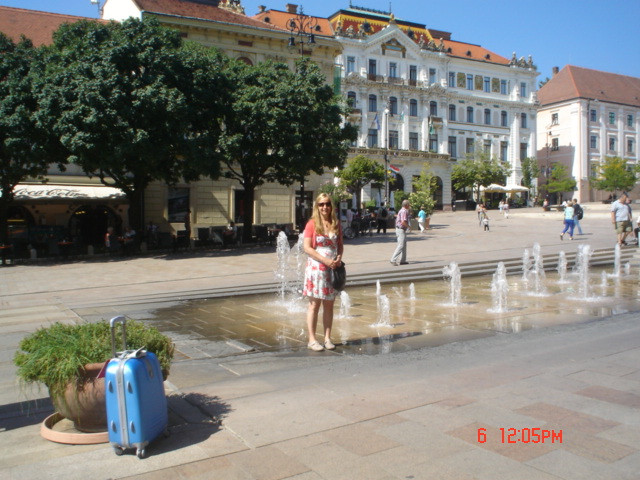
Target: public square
[{"x": 438, "y": 405}]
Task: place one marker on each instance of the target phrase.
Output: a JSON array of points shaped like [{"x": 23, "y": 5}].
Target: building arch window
[
  {"x": 452, "y": 113},
  {"x": 433, "y": 108},
  {"x": 373, "y": 103},
  {"x": 245, "y": 60},
  {"x": 393, "y": 105},
  {"x": 351, "y": 99},
  {"x": 413, "y": 107}
]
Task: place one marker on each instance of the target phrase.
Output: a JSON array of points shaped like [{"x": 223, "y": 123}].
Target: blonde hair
[{"x": 317, "y": 218}]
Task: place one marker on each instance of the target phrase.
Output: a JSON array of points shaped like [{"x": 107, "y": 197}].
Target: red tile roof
[
  {"x": 577, "y": 82},
  {"x": 281, "y": 19},
  {"x": 35, "y": 25},
  {"x": 185, "y": 8},
  {"x": 472, "y": 52}
]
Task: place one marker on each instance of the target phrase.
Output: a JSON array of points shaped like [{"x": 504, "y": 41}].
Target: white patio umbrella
[
  {"x": 494, "y": 187},
  {"x": 515, "y": 188}
]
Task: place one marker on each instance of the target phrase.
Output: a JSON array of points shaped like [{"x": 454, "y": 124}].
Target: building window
[
  {"x": 413, "y": 75},
  {"x": 469, "y": 114},
  {"x": 413, "y": 140},
  {"x": 469, "y": 82},
  {"x": 393, "y": 139},
  {"x": 432, "y": 76},
  {"x": 593, "y": 115},
  {"x": 612, "y": 144},
  {"x": 503, "y": 87},
  {"x": 523, "y": 89},
  {"x": 555, "y": 145},
  {"x": 503, "y": 118},
  {"x": 351, "y": 99},
  {"x": 393, "y": 70},
  {"x": 487, "y": 116},
  {"x": 452, "y": 79},
  {"x": 452, "y": 113},
  {"x": 393, "y": 105},
  {"x": 593, "y": 141},
  {"x": 373, "y": 103},
  {"x": 612, "y": 118},
  {"x": 629, "y": 120},
  {"x": 433, "y": 143},
  {"x": 413, "y": 107},
  {"x": 373, "y": 70},
  {"x": 523, "y": 120},
  {"x": 351, "y": 65},
  {"x": 372, "y": 138},
  {"x": 433, "y": 108},
  {"x": 470, "y": 145},
  {"x": 504, "y": 150},
  {"x": 487, "y": 84},
  {"x": 452, "y": 148},
  {"x": 523, "y": 151},
  {"x": 629, "y": 145},
  {"x": 554, "y": 119},
  {"x": 486, "y": 146}
]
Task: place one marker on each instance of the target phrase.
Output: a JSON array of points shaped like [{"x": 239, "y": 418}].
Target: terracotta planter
[{"x": 84, "y": 403}]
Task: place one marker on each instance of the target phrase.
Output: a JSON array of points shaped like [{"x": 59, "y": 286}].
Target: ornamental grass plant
[{"x": 56, "y": 355}]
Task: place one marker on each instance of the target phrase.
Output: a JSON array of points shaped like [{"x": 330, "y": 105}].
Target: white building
[
  {"x": 585, "y": 116},
  {"x": 445, "y": 97}
]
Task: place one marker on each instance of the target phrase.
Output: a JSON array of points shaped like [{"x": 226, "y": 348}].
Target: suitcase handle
[{"x": 113, "y": 322}]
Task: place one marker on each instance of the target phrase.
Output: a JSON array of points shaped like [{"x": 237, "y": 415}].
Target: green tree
[
  {"x": 282, "y": 125},
  {"x": 424, "y": 188},
  {"x": 358, "y": 173},
  {"x": 337, "y": 192},
  {"x": 530, "y": 171},
  {"x": 478, "y": 169},
  {"x": 25, "y": 150},
  {"x": 560, "y": 181},
  {"x": 131, "y": 105},
  {"x": 614, "y": 175}
]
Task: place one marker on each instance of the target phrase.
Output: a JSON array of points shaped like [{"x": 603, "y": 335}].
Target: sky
[{"x": 596, "y": 34}]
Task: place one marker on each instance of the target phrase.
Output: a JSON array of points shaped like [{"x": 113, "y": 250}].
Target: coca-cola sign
[{"x": 66, "y": 192}]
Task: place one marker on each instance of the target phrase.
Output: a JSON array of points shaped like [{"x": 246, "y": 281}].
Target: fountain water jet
[
  {"x": 345, "y": 305},
  {"x": 384, "y": 312},
  {"x": 412, "y": 291},
  {"x": 616, "y": 261},
  {"x": 537, "y": 272},
  {"x": 526, "y": 267},
  {"x": 562, "y": 267},
  {"x": 582, "y": 269},
  {"x": 499, "y": 290},
  {"x": 455, "y": 283},
  {"x": 283, "y": 252}
]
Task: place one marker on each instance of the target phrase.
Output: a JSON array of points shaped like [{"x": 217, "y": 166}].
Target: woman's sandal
[
  {"x": 315, "y": 346},
  {"x": 328, "y": 345}
]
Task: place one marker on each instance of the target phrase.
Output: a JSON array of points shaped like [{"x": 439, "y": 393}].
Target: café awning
[{"x": 67, "y": 192}]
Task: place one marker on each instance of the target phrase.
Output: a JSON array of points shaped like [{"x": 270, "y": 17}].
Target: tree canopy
[
  {"x": 614, "y": 175},
  {"x": 560, "y": 181},
  {"x": 281, "y": 126},
  {"x": 478, "y": 169},
  {"x": 423, "y": 191},
  {"x": 358, "y": 173},
  {"x": 25, "y": 149},
  {"x": 131, "y": 104}
]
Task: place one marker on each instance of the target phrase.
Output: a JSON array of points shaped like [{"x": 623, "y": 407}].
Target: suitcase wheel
[
  {"x": 119, "y": 451},
  {"x": 141, "y": 452}
]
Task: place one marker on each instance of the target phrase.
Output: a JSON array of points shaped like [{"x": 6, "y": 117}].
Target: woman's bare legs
[
  {"x": 327, "y": 321},
  {"x": 312, "y": 318}
]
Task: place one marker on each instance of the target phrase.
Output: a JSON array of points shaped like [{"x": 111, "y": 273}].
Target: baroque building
[
  {"x": 421, "y": 98},
  {"x": 585, "y": 116}
]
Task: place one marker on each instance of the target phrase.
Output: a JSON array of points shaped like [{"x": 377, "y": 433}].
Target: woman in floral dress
[{"x": 323, "y": 245}]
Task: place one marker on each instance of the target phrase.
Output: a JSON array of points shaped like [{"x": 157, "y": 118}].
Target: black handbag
[{"x": 339, "y": 277}]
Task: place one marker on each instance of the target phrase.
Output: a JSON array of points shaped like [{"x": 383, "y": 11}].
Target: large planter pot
[{"x": 83, "y": 402}]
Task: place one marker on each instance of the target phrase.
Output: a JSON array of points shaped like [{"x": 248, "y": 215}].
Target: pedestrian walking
[
  {"x": 399, "y": 256},
  {"x": 422, "y": 219},
  {"x": 568, "y": 221},
  {"x": 578, "y": 213},
  {"x": 621, "y": 218}
]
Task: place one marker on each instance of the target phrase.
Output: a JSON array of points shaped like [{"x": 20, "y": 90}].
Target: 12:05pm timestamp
[{"x": 524, "y": 435}]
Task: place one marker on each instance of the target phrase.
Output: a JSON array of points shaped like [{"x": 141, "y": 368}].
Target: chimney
[
  {"x": 292, "y": 8},
  {"x": 554, "y": 71},
  {"x": 262, "y": 9}
]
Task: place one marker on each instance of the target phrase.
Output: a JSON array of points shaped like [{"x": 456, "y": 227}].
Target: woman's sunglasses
[{"x": 324, "y": 204}]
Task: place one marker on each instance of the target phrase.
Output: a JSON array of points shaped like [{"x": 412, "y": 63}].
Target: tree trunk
[
  {"x": 4, "y": 220},
  {"x": 247, "y": 230},
  {"x": 136, "y": 205}
]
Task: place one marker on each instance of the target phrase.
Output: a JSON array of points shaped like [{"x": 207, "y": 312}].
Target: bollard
[
  {"x": 34, "y": 253},
  {"x": 90, "y": 250}
]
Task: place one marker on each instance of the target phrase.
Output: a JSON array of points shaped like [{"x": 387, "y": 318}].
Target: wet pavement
[{"x": 426, "y": 393}]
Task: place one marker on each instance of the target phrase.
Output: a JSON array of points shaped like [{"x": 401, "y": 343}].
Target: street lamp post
[
  {"x": 301, "y": 29},
  {"x": 387, "y": 110}
]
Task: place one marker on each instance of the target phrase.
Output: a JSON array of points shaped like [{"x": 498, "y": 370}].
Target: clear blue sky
[{"x": 602, "y": 35}]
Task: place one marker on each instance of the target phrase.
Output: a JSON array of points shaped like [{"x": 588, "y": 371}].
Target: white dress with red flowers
[{"x": 317, "y": 276}]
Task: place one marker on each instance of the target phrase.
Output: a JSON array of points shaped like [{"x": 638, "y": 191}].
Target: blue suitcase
[{"x": 136, "y": 402}]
